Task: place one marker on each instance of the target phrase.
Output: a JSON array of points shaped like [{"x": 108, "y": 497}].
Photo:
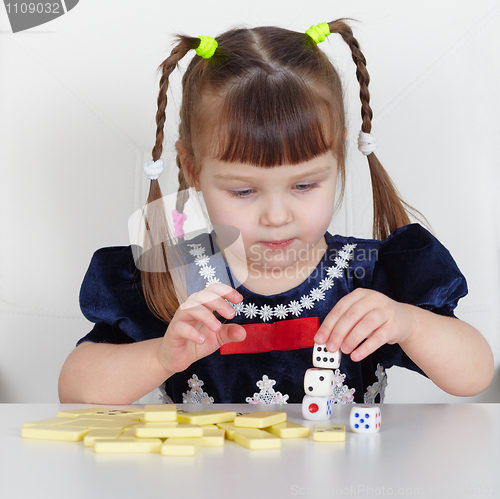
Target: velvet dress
[{"x": 410, "y": 266}]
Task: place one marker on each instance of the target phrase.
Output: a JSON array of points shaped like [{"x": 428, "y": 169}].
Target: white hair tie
[
  {"x": 367, "y": 143},
  {"x": 153, "y": 169}
]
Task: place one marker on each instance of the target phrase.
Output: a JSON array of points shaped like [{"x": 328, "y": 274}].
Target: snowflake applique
[
  {"x": 207, "y": 272},
  {"x": 306, "y": 302},
  {"x": 280, "y": 311},
  {"x": 342, "y": 394},
  {"x": 267, "y": 395},
  {"x": 197, "y": 250},
  {"x": 334, "y": 272},
  {"x": 250, "y": 310},
  {"x": 378, "y": 388},
  {"x": 295, "y": 307},
  {"x": 203, "y": 260},
  {"x": 326, "y": 283},
  {"x": 317, "y": 294},
  {"x": 196, "y": 395},
  {"x": 266, "y": 312}
]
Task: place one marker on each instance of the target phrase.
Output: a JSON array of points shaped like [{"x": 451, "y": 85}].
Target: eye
[
  {"x": 240, "y": 194},
  {"x": 306, "y": 187}
]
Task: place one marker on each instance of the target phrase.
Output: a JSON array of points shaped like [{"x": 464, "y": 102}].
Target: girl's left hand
[{"x": 363, "y": 321}]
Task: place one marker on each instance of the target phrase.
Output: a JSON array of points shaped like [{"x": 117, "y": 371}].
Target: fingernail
[
  {"x": 201, "y": 338},
  {"x": 216, "y": 325}
]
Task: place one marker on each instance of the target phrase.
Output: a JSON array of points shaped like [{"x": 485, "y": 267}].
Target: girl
[{"x": 262, "y": 137}]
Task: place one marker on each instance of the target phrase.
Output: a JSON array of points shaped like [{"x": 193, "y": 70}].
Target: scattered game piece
[
  {"x": 160, "y": 413},
  {"x": 323, "y": 358},
  {"x": 365, "y": 419},
  {"x": 181, "y": 446},
  {"x": 329, "y": 433},
  {"x": 319, "y": 382},
  {"x": 48, "y": 422},
  {"x": 63, "y": 433},
  {"x": 205, "y": 417},
  {"x": 212, "y": 437},
  {"x": 80, "y": 412},
  {"x": 127, "y": 445},
  {"x": 288, "y": 429},
  {"x": 252, "y": 438},
  {"x": 259, "y": 419},
  {"x": 316, "y": 408},
  {"x": 229, "y": 428},
  {"x": 161, "y": 430},
  {"x": 99, "y": 434}
]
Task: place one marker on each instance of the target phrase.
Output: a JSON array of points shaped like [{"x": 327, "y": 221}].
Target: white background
[{"x": 77, "y": 107}]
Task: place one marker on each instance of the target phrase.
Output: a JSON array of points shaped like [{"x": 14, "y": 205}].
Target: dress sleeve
[
  {"x": 413, "y": 267},
  {"x": 111, "y": 297}
]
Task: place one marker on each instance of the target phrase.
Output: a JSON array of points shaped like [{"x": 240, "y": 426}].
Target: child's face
[{"x": 272, "y": 204}]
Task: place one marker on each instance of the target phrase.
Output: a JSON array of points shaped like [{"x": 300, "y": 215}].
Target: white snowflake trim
[
  {"x": 378, "y": 388},
  {"x": 196, "y": 395},
  {"x": 281, "y": 311},
  {"x": 267, "y": 395}
]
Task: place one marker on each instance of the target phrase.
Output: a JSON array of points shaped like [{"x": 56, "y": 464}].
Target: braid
[
  {"x": 157, "y": 282},
  {"x": 389, "y": 210}
]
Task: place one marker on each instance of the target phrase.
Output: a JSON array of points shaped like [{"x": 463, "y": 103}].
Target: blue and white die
[
  {"x": 319, "y": 382},
  {"x": 365, "y": 419},
  {"x": 323, "y": 358}
]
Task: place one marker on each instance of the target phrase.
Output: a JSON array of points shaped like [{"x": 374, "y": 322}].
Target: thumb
[{"x": 230, "y": 333}]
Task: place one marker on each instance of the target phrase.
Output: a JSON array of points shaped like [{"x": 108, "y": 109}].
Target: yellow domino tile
[
  {"x": 127, "y": 445},
  {"x": 288, "y": 429},
  {"x": 81, "y": 412},
  {"x": 101, "y": 423},
  {"x": 47, "y": 422},
  {"x": 154, "y": 430},
  {"x": 164, "y": 431},
  {"x": 209, "y": 427},
  {"x": 328, "y": 433},
  {"x": 205, "y": 417},
  {"x": 255, "y": 439},
  {"x": 259, "y": 419},
  {"x": 128, "y": 432},
  {"x": 181, "y": 446},
  {"x": 118, "y": 413},
  {"x": 160, "y": 413},
  {"x": 212, "y": 438},
  {"x": 229, "y": 428},
  {"x": 62, "y": 433},
  {"x": 99, "y": 434}
]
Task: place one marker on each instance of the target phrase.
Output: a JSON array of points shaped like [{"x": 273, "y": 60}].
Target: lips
[{"x": 277, "y": 244}]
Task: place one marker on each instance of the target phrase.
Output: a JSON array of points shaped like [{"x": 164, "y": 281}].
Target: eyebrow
[{"x": 230, "y": 176}]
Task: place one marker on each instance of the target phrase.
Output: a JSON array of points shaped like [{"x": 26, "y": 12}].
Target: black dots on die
[
  {"x": 332, "y": 359},
  {"x": 322, "y": 378},
  {"x": 310, "y": 388}
]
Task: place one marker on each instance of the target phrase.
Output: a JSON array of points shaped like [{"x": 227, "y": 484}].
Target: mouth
[{"x": 277, "y": 244}]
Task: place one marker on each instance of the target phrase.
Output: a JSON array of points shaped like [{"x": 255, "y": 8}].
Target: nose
[{"x": 276, "y": 212}]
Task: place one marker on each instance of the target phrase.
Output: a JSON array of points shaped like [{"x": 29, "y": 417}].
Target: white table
[{"x": 421, "y": 451}]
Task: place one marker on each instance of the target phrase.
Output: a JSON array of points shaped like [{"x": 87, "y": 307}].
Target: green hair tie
[
  {"x": 207, "y": 46},
  {"x": 319, "y": 32}
]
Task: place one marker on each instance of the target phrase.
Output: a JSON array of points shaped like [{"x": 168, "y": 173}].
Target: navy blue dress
[{"x": 410, "y": 266}]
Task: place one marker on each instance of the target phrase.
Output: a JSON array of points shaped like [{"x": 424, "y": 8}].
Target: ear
[{"x": 186, "y": 164}]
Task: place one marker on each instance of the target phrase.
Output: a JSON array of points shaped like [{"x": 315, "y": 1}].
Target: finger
[
  {"x": 199, "y": 314},
  {"x": 218, "y": 304},
  {"x": 230, "y": 333},
  {"x": 371, "y": 344},
  {"x": 181, "y": 331},
  {"x": 363, "y": 329},
  {"x": 326, "y": 328}
]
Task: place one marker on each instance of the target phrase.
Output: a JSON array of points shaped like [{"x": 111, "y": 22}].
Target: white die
[
  {"x": 316, "y": 408},
  {"x": 319, "y": 382},
  {"x": 365, "y": 419},
  {"x": 323, "y": 358}
]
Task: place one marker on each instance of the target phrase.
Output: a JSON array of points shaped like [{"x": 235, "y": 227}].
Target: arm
[
  {"x": 103, "y": 373},
  {"x": 452, "y": 353}
]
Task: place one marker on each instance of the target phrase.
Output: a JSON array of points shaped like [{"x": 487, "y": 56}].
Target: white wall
[{"x": 77, "y": 107}]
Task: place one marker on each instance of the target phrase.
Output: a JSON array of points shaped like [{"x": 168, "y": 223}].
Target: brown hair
[{"x": 292, "y": 102}]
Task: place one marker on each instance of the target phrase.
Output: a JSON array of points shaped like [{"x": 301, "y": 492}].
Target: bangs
[{"x": 270, "y": 120}]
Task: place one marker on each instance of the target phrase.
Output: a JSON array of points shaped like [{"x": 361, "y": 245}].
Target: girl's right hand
[{"x": 195, "y": 332}]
